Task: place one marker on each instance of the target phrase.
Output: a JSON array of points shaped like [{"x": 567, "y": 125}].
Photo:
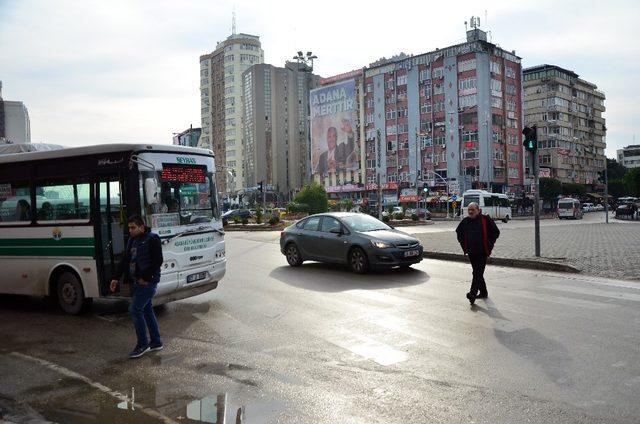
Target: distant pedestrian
[
  {"x": 477, "y": 235},
  {"x": 141, "y": 268}
]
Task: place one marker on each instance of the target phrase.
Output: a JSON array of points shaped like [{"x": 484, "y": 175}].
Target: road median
[{"x": 509, "y": 262}]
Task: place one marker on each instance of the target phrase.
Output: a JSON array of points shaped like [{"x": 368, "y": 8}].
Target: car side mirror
[{"x": 337, "y": 231}]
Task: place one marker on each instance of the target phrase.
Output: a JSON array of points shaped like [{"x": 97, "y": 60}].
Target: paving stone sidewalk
[{"x": 607, "y": 250}]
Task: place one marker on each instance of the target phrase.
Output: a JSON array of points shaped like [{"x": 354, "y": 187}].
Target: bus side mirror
[{"x": 151, "y": 190}]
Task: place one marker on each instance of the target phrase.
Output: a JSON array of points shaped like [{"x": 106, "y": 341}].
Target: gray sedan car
[{"x": 358, "y": 240}]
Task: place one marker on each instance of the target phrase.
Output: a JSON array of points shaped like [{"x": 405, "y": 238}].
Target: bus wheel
[{"x": 70, "y": 294}]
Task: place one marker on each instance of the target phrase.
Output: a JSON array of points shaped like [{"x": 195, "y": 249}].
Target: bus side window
[
  {"x": 15, "y": 202},
  {"x": 488, "y": 200}
]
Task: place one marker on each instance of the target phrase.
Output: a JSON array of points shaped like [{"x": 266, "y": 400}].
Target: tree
[
  {"x": 632, "y": 181},
  {"x": 314, "y": 196},
  {"x": 617, "y": 188},
  {"x": 573, "y": 189},
  {"x": 346, "y": 205},
  {"x": 615, "y": 170},
  {"x": 550, "y": 189}
]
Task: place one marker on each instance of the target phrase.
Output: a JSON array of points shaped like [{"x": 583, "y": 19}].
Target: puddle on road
[{"x": 217, "y": 409}]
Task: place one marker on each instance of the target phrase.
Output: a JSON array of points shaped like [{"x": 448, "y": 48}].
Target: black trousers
[{"x": 478, "y": 263}]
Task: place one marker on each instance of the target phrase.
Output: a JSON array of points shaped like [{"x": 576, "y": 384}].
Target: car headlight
[{"x": 381, "y": 244}]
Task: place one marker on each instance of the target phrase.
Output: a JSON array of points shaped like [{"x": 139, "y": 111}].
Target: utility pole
[
  {"x": 379, "y": 158},
  {"x": 606, "y": 192},
  {"x": 418, "y": 162},
  {"x": 530, "y": 143},
  {"x": 537, "y": 201}
]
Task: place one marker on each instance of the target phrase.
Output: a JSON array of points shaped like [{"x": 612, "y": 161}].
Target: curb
[
  {"x": 514, "y": 263},
  {"x": 251, "y": 229}
]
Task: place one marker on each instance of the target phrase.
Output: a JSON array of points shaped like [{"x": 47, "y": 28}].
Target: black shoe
[
  {"x": 154, "y": 347},
  {"x": 138, "y": 352},
  {"x": 471, "y": 298},
  {"x": 482, "y": 295}
]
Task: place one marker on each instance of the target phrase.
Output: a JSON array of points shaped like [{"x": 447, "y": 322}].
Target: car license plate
[
  {"x": 196, "y": 277},
  {"x": 411, "y": 253}
]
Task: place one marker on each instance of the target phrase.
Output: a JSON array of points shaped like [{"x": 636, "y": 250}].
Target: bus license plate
[
  {"x": 196, "y": 277},
  {"x": 411, "y": 253}
]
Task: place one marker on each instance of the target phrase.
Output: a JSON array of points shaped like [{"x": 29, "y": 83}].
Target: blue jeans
[{"x": 143, "y": 316}]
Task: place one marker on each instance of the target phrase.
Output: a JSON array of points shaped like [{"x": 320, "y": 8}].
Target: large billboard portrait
[{"x": 333, "y": 139}]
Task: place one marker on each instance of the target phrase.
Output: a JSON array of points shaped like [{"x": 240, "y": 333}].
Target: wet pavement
[{"x": 319, "y": 344}]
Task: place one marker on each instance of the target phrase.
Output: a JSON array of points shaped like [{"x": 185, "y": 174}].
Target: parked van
[
  {"x": 496, "y": 205},
  {"x": 569, "y": 208}
]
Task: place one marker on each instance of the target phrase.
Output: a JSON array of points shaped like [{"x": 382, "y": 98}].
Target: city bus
[
  {"x": 63, "y": 220},
  {"x": 496, "y": 205}
]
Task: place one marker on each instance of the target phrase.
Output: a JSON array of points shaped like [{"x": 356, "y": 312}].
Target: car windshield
[
  {"x": 362, "y": 223},
  {"x": 565, "y": 205}
]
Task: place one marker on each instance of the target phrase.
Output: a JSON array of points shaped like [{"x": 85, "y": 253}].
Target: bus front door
[{"x": 111, "y": 226}]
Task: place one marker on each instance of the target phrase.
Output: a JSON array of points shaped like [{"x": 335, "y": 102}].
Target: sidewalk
[{"x": 607, "y": 250}]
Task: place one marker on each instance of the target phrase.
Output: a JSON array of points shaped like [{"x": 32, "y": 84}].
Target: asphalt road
[{"x": 319, "y": 344}]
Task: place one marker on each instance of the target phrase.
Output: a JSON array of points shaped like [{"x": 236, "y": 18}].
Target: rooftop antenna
[
  {"x": 465, "y": 26},
  {"x": 233, "y": 21}
]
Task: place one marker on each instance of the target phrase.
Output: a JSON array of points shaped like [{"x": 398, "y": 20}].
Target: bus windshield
[
  {"x": 181, "y": 202},
  {"x": 470, "y": 198}
]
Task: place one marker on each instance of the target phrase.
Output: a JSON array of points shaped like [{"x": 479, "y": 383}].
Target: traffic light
[
  {"x": 260, "y": 186},
  {"x": 530, "y": 141},
  {"x": 425, "y": 188}
]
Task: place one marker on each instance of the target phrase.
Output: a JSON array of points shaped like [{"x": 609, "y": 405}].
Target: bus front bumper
[{"x": 183, "y": 289}]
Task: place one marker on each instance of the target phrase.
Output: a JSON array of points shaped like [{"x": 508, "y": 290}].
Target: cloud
[{"x": 95, "y": 71}]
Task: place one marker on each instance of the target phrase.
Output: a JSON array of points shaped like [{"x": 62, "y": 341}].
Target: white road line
[
  {"x": 98, "y": 386},
  {"x": 595, "y": 292},
  {"x": 367, "y": 347}
]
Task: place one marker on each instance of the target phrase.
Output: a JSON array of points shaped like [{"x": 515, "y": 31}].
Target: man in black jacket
[
  {"x": 141, "y": 266},
  {"x": 477, "y": 235}
]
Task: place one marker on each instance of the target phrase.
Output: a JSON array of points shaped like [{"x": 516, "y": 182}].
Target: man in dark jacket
[
  {"x": 141, "y": 267},
  {"x": 477, "y": 235}
]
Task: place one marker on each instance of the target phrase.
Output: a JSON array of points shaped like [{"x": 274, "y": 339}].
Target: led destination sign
[{"x": 181, "y": 173}]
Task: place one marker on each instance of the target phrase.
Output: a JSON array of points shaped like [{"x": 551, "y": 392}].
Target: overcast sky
[{"x": 128, "y": 71}]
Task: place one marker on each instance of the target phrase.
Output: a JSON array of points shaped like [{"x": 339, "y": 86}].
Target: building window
[
  {"x": 438, "y": 72},
  {"x": 467, "y": 83},
  {"x": 513, "y": 139},
  {"x": 369, "y": 88},
  {"x": 388, "y": 84},
  {"x": 425, "y": 108},
  {"x": 513, "y": 157},
  {"x": 424, "y": 74},
  {"x": 545, "y": 159},
  {"x": 496, "y": 85},
  {"x": 468, "y": 101},
  {"x": 495, "y": 68},
  {"x": 469, "y": 136},
  {"x": 425, "y": 127},
  {"x": 509, "y": 72},
  {"x": 402, "y": 80},
  {"x": 403, "y": 112},
  {"x": 496, "y": 101},
  {"x": 403, "y": 128},
  {"x": 390, "y": 114},
  {"x": 466, "y": 65},
  {"x": 438, "y": 88},
  {"x": 498, "y": 173}
]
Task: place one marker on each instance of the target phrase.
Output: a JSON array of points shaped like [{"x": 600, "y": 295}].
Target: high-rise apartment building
[
  {"x": 275, "y": 127},
  {"x": 567, "y": 111},
  {"x": 221, "y": 106},
  {"x": 629, "y": 157},
  {"x": 15, "y": 126},
  {"x": 451, "y": 116}
]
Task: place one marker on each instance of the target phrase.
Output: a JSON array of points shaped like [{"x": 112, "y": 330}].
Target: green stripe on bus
[
  {"x": 63, "y": 242},
  {"x": 47, "y": 251}
]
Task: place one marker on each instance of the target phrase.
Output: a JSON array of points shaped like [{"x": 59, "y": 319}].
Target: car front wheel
[
  {"x": 294, "y": 258},
  {"x": 358, "y": 261}
]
